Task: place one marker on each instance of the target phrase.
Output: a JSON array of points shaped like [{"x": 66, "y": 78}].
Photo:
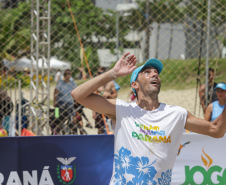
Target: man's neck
[{"x": 148, "y": 103}]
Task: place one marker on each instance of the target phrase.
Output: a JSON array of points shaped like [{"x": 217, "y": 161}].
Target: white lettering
[
  {"x": 30, "y": 179},
  {"x": 13, "y": 179},
  {"x": 45, "y": 177},
  {"x": 1, "y": 178}
]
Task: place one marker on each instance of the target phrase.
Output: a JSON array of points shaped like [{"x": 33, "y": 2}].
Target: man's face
[{"x": 149, "y": 81}]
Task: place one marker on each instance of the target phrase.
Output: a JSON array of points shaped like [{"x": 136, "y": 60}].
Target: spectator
[
  {"x": 82, "y": 73},
  {"x": 6, "y": 108},
  {"x": 1, "y": 118},
  {"x": 57, "y": 75},
  {"x": 117, "y": 87},
  {"x": 212, "y": 96},
  {"x": 108, "y": 91},
  {"x": 27, "y": 71},
  {"x": 24, "y": 113},
  {"x": 132, "y": 97},
  {"x": 79, "y": 110},
  {"x": 63, "y": 100},
  {"x": 216, "y": 108},
  {"x": 78, "y": 120}
]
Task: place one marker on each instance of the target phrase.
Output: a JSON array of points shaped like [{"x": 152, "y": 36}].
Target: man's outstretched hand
[{"x": 125, "y": 65}]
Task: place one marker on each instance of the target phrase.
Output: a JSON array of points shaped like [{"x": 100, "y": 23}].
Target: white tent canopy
[
  {"x": 57, "y": 64},
  {"x": 25, "y": 63}
]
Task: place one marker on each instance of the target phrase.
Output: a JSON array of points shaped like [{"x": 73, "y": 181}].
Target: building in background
[
  {"x": 167, "y": 40},
  {"x": 177, "y": 48},
  {"x": 110, "y": 4}
]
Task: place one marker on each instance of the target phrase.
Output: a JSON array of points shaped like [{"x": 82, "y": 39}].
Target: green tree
[
  {"x": 94, "y": 26},
  {"x": 14, "y": 31},
  {"x": 92, "y": 23}
]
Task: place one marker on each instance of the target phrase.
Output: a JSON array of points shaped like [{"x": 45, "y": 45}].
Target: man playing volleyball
[{"x": 147, "y": 133}]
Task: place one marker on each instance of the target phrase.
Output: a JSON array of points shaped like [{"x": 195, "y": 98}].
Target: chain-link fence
[{"x": 87, "y": 37}]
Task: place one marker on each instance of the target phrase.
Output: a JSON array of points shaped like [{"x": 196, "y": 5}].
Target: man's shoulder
[
  {"x": 174, "y": 108},
  {"x": 122, "y": 102}
]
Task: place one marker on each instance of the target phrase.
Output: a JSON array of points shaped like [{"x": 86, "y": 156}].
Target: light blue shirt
[
  {"x": 65, "y": 88},
  {"x": 217, "y": 110}
]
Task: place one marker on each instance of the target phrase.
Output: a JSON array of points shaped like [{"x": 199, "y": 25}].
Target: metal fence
[{"x": 188, "y": 36}]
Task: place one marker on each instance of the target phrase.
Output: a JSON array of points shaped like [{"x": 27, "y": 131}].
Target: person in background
[
  {"x": 117, "y": 86},
  {"x": 132, "y": 97},
  {"x": 212, "y": 96},
  {"x": 62, "y": 96},
  {"x": 82, "y": 73},
  {"x": 64, "y": 101},
  {"x": 147, "y": 133},
  {"x": 108, "y": 91},
  {"x": 216, "y": 108},
  {"x": 57, "y": 75},
  {"x": 24, "y": 113},
  {"x": 80, "y": 112},
  {"x": 6, "y": 109},
  {"x": 27, "y": 71}
]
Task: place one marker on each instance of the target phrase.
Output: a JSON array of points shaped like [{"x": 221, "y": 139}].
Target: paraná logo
[{"x": 66, "y": 172}]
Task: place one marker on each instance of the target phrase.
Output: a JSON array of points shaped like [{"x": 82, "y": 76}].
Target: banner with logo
[
  {"x": 55, "y": 160},
  {"x": 88, "y": 160},
  {"x": 201, "y": 160}
]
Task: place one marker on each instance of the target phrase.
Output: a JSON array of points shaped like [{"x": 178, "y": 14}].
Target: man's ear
[{"x": 135, "y": 85}]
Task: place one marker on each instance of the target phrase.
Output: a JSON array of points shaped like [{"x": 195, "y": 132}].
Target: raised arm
[
  {"x": 215, "y": 129},
  {"x": 84, "y": 95}
]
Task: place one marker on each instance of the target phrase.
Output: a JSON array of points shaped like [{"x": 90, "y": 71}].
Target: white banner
[{"x": 201, "y": 160}]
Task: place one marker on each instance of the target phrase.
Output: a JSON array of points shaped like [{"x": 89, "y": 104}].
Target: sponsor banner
[
  {"x": 88, "y": 160},
  {"x": 200, "y": 160},
  {"x": 55, "y": 160}
]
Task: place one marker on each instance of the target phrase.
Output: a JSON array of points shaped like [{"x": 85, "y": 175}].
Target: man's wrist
[{"x": 113, "y": 75}]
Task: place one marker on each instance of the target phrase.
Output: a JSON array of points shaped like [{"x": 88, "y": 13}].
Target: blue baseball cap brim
[
  {"x": 152, "y": 63},
  {"x": 221, "y": 86}
]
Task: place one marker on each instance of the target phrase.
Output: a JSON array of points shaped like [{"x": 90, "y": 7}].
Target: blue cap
[
  {"x": 151, "y": 62},
  {"x": 221, "y": 86}
]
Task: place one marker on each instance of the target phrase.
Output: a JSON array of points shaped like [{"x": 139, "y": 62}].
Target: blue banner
[{"x": 53, "y": 160}]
